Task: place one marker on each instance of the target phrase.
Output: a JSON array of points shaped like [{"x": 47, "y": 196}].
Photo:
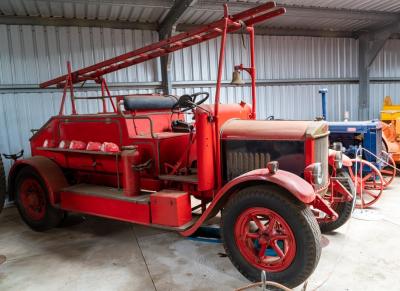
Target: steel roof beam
[
  {"x": 304, "y": 11},
  {"x": 58, "y": 21},
  {"x": 128, "y": 3},
  {"x": 285, "y": 31}
]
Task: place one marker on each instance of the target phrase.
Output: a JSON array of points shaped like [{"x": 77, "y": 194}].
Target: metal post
[
  {"x": 217, "y": 97},
  {"x": 250, "y": 29},
  {"x": 364, "y": 85},
  {"x": 166, "y": 76},
  {"x": 323, "y": 93},
  {"x": 71, "y": 87}
]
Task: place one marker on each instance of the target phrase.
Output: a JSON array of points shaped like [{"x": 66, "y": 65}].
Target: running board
[
  {"x": 112, "y": 203},
  {"x": 106, "y": 202}
]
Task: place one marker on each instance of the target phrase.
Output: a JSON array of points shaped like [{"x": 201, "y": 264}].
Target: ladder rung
[{"x": 236, "y": 24}]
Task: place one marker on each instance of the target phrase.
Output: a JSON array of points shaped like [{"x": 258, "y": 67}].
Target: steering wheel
[{"x": 188, "y": 102}]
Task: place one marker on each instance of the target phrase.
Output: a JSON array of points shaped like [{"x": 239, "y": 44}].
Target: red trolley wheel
[
  {"x": 369, "y": 185},
  {"x": 388, "y": 172}
]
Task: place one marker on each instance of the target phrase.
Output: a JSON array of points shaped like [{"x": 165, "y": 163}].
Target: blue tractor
[{"x": 366, "y": 138}]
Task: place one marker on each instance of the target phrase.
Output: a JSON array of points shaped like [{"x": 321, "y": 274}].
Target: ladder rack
[{"x": 233, "y": 23}]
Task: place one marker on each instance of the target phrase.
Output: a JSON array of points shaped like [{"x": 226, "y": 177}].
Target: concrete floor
[{"x": 100, "y": 254}]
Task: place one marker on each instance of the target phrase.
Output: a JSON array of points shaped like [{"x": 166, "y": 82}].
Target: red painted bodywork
[
  {"x": 175, "y": 203},
  {"x": 163, "y": 159},
  {"x": 106, "y": 207}
]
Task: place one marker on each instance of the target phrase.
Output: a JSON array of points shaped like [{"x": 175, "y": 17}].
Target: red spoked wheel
[
  {"x": 33, "y": 198},
  {"x": 369, "y": 184},
  {"x": 33, "y": 203},
  {"x": 389, "y": 170},
  {"x": 265, "y": 239},
  {"x": 264, "y": 228}
]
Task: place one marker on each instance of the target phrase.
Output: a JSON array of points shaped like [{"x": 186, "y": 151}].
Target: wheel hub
[{"x": 32, "y": 198}]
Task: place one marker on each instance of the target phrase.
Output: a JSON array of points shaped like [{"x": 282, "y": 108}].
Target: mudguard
[
  {"x": 48, "y": 170},
  {"x": 294, "y": 184}
]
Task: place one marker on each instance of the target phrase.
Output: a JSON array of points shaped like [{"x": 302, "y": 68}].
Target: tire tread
[{"x": 305, "y": 216}]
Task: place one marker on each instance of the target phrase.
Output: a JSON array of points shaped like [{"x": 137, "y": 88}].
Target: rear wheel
[
  {"x": 33, "y": 201},
  {"x": 265, "y": 229},
  {"x": 389, "y": 170},
  {"x": 2, "y": 185},
  {"x": 368, "y": 182},
  {"x": 343, "y": 209}
]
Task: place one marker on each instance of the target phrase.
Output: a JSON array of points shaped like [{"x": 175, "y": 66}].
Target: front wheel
[
  {"x": 33, "y": 203},
  {"x": 263, "y": 228}
]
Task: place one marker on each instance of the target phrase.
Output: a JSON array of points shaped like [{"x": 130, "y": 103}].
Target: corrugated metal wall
[
  {"x": 29, "y": 55},
  {"x": 280, "y": 58}
]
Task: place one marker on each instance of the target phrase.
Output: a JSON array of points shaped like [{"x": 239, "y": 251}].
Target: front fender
[
  {"x": 48, "y": 170},
  {"x": 294, "y": 184}
]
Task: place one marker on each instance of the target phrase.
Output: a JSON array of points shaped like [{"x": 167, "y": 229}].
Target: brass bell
[{"x": 237, "y": 78}]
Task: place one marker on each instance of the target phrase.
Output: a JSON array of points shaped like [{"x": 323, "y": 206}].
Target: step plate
[{"x": 107, "y": 192}]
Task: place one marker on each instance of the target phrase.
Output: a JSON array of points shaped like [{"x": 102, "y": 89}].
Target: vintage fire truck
[{"x": 174, "y": 162}]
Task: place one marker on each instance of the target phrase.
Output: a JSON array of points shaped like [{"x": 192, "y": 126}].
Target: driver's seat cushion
[{"x": 149, "y": 102}]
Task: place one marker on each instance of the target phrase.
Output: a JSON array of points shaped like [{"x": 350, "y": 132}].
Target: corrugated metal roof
[
  {"x": 333, "y": 15},
  {"x": 88, "y": 9},
  {"x": 366, "y": 5}
]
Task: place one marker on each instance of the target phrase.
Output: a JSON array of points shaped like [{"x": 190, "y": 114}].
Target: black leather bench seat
[{"x": 148, "y": 102}]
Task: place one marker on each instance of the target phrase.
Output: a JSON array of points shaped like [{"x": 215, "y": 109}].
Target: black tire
[
  {"x": 2, "y": 185},
  {"x": 344, "y": 209},
  {"x": 52, "y": 216},
  {"x": 297, "y": 215}
]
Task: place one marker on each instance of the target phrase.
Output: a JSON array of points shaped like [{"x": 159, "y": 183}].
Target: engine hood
[{"x": 273, "y": 129}]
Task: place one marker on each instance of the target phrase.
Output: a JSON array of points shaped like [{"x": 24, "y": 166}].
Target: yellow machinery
[{"x": 390, "y": 117}]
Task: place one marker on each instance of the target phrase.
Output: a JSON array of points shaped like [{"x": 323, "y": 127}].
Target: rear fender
[
  {"x": 48, "y": 170},
  {"x": 298, "y": 187}
]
